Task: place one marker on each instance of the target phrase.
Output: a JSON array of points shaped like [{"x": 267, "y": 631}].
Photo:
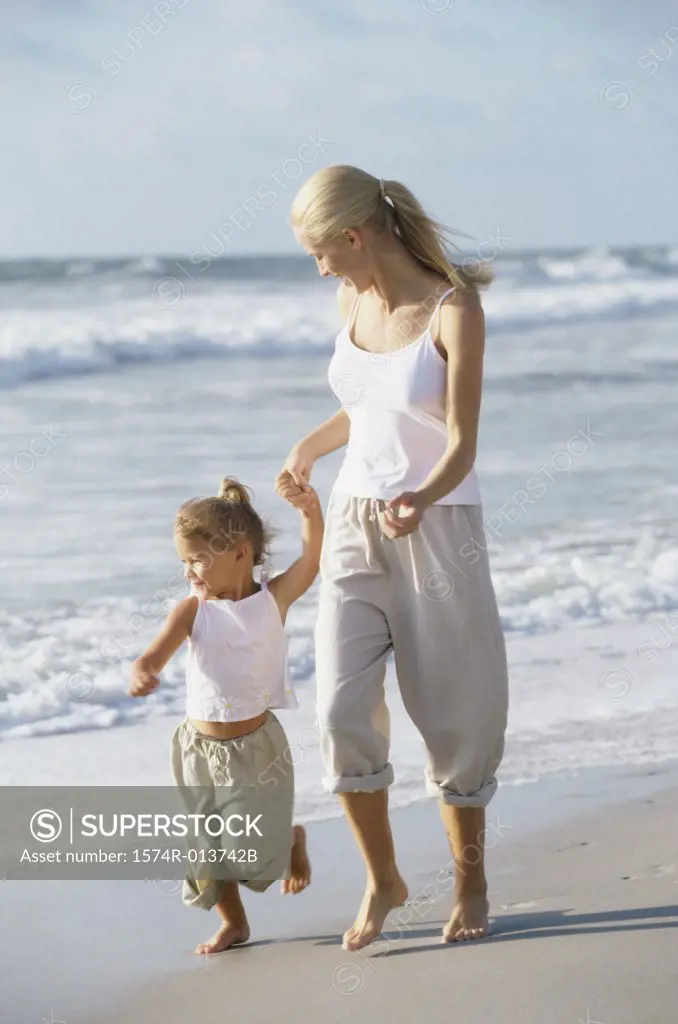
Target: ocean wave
[
  {"x": 598, "y": 265},
  {"x": 293, "y": 267},
  {"x": 592, "y": 264},
  {"x": 51, "y": 331},
  {"x": 57, "y": 341},
  {"x": 66, "y": 665}
]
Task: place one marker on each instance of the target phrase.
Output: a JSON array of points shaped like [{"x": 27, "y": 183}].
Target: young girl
[{"x": 236, "y": 672}]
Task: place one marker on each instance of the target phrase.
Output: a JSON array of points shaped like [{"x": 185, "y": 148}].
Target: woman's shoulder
[
  {"x": 461, "y": 316},
  {"x": 459, "y": 309},
  {"x": 457, "y": 295}
]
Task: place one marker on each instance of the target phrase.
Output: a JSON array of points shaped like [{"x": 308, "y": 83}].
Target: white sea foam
[
  {"x": 65, "y": 666},
  {"x": 595, "y": 265},
  {"x": 579, "y": 699},
  {"x": 57, "y": 330}
]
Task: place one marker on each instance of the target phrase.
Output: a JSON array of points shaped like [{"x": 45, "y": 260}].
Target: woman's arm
[
  {"x": 333, "y": 433},
  {"x": 330, "y": 435},
  {"x": 462, "y": 333},
  {"x": 326, "y": 438}
]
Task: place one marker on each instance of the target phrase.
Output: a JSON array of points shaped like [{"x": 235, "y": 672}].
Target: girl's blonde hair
[
  {"x": 224, "y": 520},
  {"x": 341, "y": 196}
]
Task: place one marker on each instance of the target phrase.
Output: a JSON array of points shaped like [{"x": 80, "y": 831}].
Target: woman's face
[{"x": 344, "y": 258}]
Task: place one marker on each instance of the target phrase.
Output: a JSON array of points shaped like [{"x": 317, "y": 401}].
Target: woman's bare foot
[
  {"x": 235, "y": 928},
  {"x": 300, "y": 866},
  {"x": 377, "y": 903},
  {"x": 469, "y": 919},
  {"x": 228, "y": 935}
]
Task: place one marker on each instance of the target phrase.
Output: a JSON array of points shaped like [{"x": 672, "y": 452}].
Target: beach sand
[{"x": 583, "y": 873}]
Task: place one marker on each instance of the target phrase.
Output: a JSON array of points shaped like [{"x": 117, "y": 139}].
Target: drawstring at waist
[{"x": 377, "y": 505}]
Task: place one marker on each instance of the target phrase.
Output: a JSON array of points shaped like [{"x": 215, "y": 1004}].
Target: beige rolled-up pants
[{"x": 429, "y": 598}]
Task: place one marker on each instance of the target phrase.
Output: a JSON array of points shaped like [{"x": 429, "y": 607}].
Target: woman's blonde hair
[
  {"x": 341, "y": 196},
  {"x": 224, "y": 520}
]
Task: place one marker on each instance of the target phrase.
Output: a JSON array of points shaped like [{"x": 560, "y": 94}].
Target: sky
[{"x": 153, "y": 126}]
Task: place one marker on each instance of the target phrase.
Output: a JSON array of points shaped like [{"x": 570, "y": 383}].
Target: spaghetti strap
[
  {"x": 438, "y": 305},
  {"x": 352, "y": 310}
]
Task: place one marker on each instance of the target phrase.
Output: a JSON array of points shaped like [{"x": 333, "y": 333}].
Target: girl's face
[
  {"x": 344, "y": 257},
  {"x": 208, "y": 569}
]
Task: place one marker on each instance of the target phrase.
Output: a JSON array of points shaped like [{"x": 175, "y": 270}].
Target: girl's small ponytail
[
  {"x": 225, "y": 519},
  {"x": 233, "y": 491}
]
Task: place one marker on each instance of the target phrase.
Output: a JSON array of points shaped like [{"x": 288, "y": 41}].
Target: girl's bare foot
[
  {"x": 469, "y": 919},
  {"x": 300, "y": 866},
  {"x": 235, "y": 928},
  {"x": 377, "y": 903}
]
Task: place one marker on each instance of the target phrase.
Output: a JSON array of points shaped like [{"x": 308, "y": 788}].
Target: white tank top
[
  {"x": 396, "y": 404},
  {"x": 237, "y": 664}
]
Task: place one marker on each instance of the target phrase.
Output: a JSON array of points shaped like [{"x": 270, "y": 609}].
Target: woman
[{"x": 404, "y": 563}]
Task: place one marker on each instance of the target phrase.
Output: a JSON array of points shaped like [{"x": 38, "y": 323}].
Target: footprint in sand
[
  {"x": 519, "y": 906},
  {"x": 654, "y": 871}
]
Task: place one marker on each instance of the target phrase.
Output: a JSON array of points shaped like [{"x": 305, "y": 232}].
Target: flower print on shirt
[
  {"x": 226, "y": 705},
  {"x": 264, "y": 698}
]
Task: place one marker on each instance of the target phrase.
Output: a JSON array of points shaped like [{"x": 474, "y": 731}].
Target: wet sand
[{"x": 583, "y": 875}]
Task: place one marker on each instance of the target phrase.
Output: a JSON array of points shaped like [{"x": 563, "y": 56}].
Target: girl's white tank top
[
  {"x": 396, "y": 404},
  {"x": 237, "y": 664}
]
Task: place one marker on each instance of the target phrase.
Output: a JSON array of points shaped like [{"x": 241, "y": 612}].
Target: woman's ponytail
[{"x": 342, "y": 196}]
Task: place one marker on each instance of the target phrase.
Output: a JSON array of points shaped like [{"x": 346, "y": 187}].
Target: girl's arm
[
  {"x": 176, "y": 628},
  {"x": 289, "y": 586}
]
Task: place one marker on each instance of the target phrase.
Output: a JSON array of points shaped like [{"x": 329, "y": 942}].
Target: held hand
[
  {"x": 301, "y": 495},
  {"x": 402, "y": 515},
  {"x": 143, "y": 681},
  {"x": 299, "y": 465},
  {"x": 303, "y": 498}
]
